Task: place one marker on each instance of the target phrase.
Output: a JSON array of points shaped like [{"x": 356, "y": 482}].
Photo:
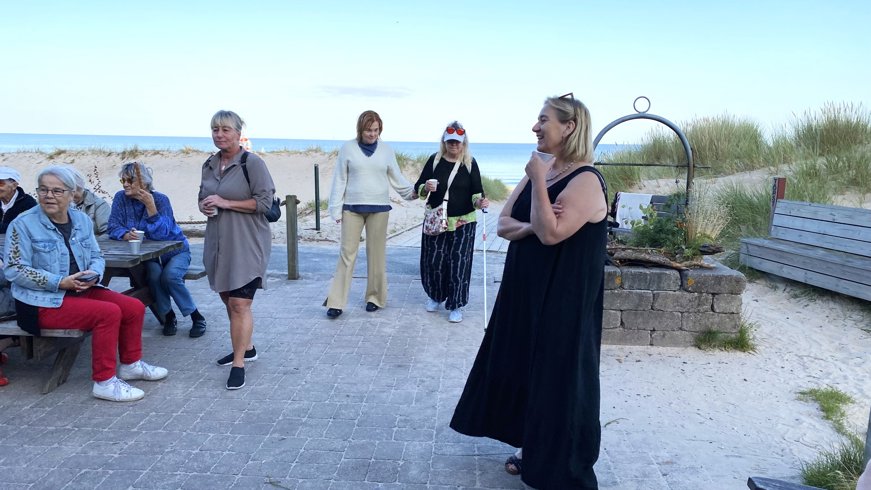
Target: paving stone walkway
[{"x": 359, "y": 402}]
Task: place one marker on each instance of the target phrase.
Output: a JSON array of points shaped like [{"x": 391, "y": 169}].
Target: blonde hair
[
  {"x": 465, "y": 157},
  {"x": 578, "y": 145}
]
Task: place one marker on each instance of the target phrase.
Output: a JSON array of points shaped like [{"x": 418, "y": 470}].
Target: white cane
[{"x": 484, "y": 250}]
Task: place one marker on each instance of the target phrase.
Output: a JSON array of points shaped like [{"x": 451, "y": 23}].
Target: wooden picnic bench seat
[
  {"x": 194, "y": 273},
  {"x": 818, "y": 244},
  {"x": 64, "y": 344}
]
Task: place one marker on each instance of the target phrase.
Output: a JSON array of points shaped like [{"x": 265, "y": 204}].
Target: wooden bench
[
  {"x": 64, "y": 344},
  {"x": 817, "y": 244},
  {"x": 194, "y": 273}
]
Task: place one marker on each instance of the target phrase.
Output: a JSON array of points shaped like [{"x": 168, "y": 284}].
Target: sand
[
  {"x": 718, "y": 404},
  {"x": 177, "y": 174}
]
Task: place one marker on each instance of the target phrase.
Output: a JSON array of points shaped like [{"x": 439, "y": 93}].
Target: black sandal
[{"x": 512, "y": 465}]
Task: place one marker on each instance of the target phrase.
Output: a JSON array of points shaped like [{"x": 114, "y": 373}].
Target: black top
[
  {"x": 464, "y": 186},
  {"x": 23, "y": 202}
]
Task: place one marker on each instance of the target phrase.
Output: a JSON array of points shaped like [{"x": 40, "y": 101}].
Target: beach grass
[
  {"x": 494, "y": 189},
  {"x": 742, "y": 341},
  {"x": 838, "y": 468},
  {"x": 833, "y": 129},
  {"x": 831, "y": 402}
]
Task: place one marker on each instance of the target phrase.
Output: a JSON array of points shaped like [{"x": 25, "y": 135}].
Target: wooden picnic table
[{"x": 121, "y": 262}]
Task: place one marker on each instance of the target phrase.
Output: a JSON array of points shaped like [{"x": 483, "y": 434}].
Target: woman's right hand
[{"x": 431, "y": 186}]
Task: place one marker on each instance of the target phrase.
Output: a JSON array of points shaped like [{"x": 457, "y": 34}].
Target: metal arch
[{"x": 660, "y": 119}]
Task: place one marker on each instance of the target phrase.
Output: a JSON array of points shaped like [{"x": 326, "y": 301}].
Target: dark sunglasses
[{"x": 459, "y": 131}]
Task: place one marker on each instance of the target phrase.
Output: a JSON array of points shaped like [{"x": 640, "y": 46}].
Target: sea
[{"x": 503, "y": 161}]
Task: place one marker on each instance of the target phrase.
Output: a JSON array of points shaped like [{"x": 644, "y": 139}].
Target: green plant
[
  {"x": 58, "y": 152},
  {"x": 833, "y": 129},
  {"x": 836, "y": 469},
  {"x": 742, "y": 341},
  {"x": 494, "y": 189},
  {"x": 131, "y": 153},
  {"x": 831, "y": 401},
  {"x": 667, "y": 231}
]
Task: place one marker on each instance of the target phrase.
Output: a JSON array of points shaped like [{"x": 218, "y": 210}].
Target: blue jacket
[
  {"x": 128, "y": 213},
  {"x": 37, "y": 259}
]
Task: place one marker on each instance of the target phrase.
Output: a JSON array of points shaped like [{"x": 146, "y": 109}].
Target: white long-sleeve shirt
[{"x": 358, "y": 179}]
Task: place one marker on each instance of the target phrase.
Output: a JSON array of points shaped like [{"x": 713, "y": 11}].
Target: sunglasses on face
[
  {"x": 459, "y": 131},
  {"x": 126, "y": 180}
]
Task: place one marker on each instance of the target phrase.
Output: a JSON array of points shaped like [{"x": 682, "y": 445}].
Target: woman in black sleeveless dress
[{"x": 535, "y": 381}]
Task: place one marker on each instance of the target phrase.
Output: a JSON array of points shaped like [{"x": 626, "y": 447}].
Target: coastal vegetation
[
  {"x": 742, "y": 341},
  {"x": 840, "y": 467},
  {"x": 824, "y": 154}
]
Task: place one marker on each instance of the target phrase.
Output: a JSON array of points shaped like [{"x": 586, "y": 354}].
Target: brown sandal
[{"x": 512, "y": 465}]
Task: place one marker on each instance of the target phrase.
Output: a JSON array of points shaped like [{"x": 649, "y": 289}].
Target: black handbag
[{"x": 275, "y": 211}]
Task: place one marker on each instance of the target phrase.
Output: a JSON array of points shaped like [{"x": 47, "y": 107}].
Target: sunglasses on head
[{"x": 459, "y": 131}]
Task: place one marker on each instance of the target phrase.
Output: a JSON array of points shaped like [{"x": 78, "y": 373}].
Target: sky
[{"x": 306, "y": 69}]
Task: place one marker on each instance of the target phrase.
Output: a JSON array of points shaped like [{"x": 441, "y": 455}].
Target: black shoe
[
  {"x": 170, "y": 325},
  {"x": 199, "y": 328},
  {"x": 370, "y": 307},
  {"x": 250, "y": 356},
  {"x": 334, "y": 312},
  {"x": 236, "y": 379}
]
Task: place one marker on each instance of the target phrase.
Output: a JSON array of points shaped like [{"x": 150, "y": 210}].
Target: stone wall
[{"x": 666, "y": 307}]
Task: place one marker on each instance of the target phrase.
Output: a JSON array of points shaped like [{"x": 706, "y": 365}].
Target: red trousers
[{"x": 114, "y": 320}]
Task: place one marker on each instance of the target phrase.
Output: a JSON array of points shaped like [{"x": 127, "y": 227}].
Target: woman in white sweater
[{"x": 360, "y": 197}]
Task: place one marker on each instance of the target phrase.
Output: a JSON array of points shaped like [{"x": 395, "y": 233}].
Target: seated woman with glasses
[
  {"x": 54, "y": 264},
  {"x": 140, "y": 208}
]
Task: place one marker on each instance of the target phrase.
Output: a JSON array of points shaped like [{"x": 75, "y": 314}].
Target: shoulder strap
[
  {"x": 451, "y": 178},
  {"x": 590, "y": 168},
  {"x": 245, "y": 167}
]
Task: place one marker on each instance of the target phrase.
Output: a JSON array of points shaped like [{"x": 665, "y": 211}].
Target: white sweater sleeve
[
  {"x": 397, "y": 180},
  {"x": 340, "y": 184}
]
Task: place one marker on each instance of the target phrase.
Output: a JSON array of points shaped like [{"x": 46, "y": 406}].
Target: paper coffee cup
[
  {"x": 544, "y": 156},
  {"x": 140, "y": 234},
  {"x": 134, "y": 246},
  {"x": 434, "y": 182}
]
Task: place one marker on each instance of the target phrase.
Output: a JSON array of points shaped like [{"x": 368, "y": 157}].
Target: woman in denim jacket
[{"x": 54, "y": 263}]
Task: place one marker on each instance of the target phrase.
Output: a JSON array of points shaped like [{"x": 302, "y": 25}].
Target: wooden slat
[
  {"x": 11, "y": 328},
  {"x": 830, "y": 262},
  {"x": 831, "y": 283},
  {"x": 857, "y": 231},
  {"x": 825, "y": 212},
  {"x": 760, "y": 483},
  {"x": 847, "y": 245}
]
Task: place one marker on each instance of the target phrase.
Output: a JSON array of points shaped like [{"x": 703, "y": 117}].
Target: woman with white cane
[{"x": 450, "y": 182}]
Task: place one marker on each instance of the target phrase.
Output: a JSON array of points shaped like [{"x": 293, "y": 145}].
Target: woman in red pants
[{"x": 54, "y": 264}]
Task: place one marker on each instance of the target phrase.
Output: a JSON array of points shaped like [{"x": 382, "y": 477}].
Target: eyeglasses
[
  {"x": 570, "y": 95},
  {"x": 126, "y": 180},
  {"x": 43, "y": 191},
  {"x": 459, "y": 131}
]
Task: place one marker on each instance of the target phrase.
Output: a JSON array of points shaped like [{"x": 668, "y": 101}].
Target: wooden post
[
  {"x": 868, "y": 441},
  {"x": 290, "y": 203},
  {"x": 778, "y": 191},
  {"x": 317, "y": 199}
]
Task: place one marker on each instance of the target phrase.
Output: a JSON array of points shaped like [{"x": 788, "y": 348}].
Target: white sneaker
[
  {"x": 456, "y": 316},
  {"x": 141, "y": 370},
  {"x": 116, "y": 390},
  {"x": 432, "y": 305}
]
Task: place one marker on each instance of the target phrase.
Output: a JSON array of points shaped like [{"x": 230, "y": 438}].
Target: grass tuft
[
  {"x": 743, "y": 341},
  {"x": 494, "y": 189},
  {"x": 832, "y": 402},
  {"x": 838, "y": 468}
]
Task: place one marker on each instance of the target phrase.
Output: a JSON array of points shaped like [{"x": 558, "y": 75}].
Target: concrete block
[
  {"x": 625, "y": 337},
  {"x": 612, "y": 277},
  {"x": 720, "y": 279},
  {"x": 623, "y": 299},
  {"x": 651, "y": 320},
  {"x": 610, "y": 319},
  {"x": 727, "y": 303},
  {"x": 650, "y": 278},
  {"x": 672, "y": 339},
  {"x": 680, "y": 301},
  {"x": 721, "y": 322}
]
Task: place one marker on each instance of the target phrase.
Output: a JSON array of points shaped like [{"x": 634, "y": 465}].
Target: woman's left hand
[
  {"x": 216, "y": 201},
  {"x": 482, "y": 203},
  {"x": 537, "y": 168}
]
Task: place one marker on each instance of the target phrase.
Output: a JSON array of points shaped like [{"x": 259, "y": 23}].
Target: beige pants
[{"x": 376, "y": 242}]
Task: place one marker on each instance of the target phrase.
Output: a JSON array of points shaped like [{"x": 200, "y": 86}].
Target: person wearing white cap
[
  {"x": 13, "y": 199},
  {"x": 450, "y": 176}
]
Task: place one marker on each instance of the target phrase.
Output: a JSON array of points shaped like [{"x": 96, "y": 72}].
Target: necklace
[{"x": 559, "y": 173}]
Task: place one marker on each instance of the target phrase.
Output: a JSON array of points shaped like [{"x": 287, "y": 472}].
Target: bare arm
[
  {"x": 582, "y": 202},
  {"x": 508, "y": 227}
]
